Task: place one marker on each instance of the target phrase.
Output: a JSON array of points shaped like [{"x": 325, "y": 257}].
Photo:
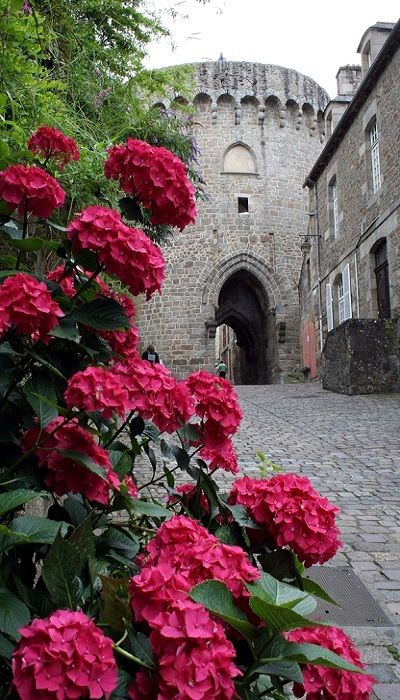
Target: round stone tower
[{"x": 259, "y": 129}]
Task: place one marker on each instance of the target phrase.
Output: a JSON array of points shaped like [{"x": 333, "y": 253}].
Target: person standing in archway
[
  {"x": 151, "y": 355},
  {"x": 222, "y": 369}
]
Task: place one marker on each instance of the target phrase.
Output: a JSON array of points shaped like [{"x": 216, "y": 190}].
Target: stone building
[
  {"x": 350, "y": 278},
  {"x": 259, "y": 129}
]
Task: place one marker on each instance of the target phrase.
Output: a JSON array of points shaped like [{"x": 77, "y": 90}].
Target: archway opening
[{"x": 243, "y": 307}]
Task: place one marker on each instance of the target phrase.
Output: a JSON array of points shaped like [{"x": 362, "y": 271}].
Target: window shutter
[
  {"x": 329, "y": 306},
  {"x": 347, "y": 312}
]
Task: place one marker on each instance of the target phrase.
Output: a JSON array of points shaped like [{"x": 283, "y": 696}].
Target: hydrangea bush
[{"x": 105, "y": 593}]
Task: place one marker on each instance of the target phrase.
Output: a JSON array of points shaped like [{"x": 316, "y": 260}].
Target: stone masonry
[{"x": 259, "y": 130}]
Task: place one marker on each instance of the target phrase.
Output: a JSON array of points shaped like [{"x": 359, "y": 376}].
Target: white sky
[{"x": 314, "y": 38}]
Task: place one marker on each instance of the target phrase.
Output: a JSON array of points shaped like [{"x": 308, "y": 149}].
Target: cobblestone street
[{"x": 349, "y": 446}]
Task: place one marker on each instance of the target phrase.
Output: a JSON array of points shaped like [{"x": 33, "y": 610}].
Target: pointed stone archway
[
  {"x": 242, "y": 292},
  {"x": 243, "y": 305}
]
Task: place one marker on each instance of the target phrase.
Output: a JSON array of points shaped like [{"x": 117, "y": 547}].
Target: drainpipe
[{"x": 313, "y": 185}]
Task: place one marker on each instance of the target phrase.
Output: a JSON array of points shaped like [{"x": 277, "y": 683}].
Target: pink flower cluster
[
  {"x": 97, "y": 389},
  {"x": 156, "y": 178},
  {"x": 292, "y": 514},
  {"x": 135, "y": 386},
  {"x": 27, "y": 306},
  {"x": 195, "y": 659},
  {"x": 156, "y": 394},
  {"x": 131, "y": 487},
  {"x": 63, "y": 657},
  {"x": 183, "y": 553},
  {"x": 63, "y": 474},
  {"x": 217, "y": 405},
  {"x": 30, "y": 189},
  {"x": 48, "y": 142},
  {"x": 125, "y": 252},
  {"x": 320, "y": 683}
]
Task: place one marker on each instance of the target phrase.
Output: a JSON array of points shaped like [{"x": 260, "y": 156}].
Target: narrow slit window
[
  {"x": 375, "y": 164},
  {"x": 243, "y": 205}
]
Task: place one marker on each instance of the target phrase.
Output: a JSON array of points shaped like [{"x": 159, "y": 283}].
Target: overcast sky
[{"x": 313, "y": 38}]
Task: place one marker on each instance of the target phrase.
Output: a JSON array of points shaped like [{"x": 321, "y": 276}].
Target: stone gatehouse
[{"x": 259, "y": 129}]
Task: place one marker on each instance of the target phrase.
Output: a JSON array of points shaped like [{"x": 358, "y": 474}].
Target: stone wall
[
  {"x": 365, "y": 217},
  {"x": 273, "y": 116},
  {"x": 362, "y": 357}
]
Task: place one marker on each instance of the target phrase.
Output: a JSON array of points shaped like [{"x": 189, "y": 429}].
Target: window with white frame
[
  {"x": 334, "y": 208},
  {"x": 375, "y": 163},
  {"x": 340, "y": 299}
]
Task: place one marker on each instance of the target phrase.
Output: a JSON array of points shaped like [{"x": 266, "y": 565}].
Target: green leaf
[
  {"x": 84, "y": 461},
  {"x": 34, "y": 244},
  {"x": 14, "y": 614},
  {"x": 241, "y": 517},
  {"x": 75, "y": 508},
  {"x": 276, "y": 592},
  {"x": 314, "y": 588},
  {"x": 67, "y": 329},
  {"x": 65, "y": 564},
  {"x": 152, "y": 509},
  {"x": 121, "y": 541},
  {"x": 102, "y": 314},
  {"x": 41, "y": 395},
  {"x": 121, "y": 461},
  {"x": 284, "y": 669},
  {"x": 46, "y": 363},
  {"x": 141, "y": 647},
  {"x": 281, "y": 563},
  {"x": 12, "y": 230},
  {"x": 38, "y": 530},
  {"x": 225, "y": 535},
  {"x": 115, "y": 608},
  {"x": 6, "y": 648},
  {"x": 7, "y": 349},
  {"x": 216, "y": 598},
  {"x": 279, "y": 618},
  {"x": 318, "y": 656},
  {"x": 13, "y": 499},
  {"x": 56, "y": 226}
]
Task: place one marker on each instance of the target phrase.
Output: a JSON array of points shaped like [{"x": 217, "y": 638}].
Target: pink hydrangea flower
[
  {"x": 185, "y": 549},
  {"x": 155, "y": 393},
  {"x": 156, "y": 178},
  {"x": 320, "y": 683},
  {"x": 48, "y": 142},
  {"x": 292, "y": 514},
  {"x": 26, "y": 305},
  {"x": 64, "y": 656},
  {"x": 220, "y": 453},
  {"x": 62, "y": 473},
  {"x": 98, "y": 389},
  {"x": 194, "y": 658},
  {"x": 216, "y": 402},
  {"x": 125, "y": 252},
  {"x": 30, "y": 189},
  {"x": 131, "y": 486}
]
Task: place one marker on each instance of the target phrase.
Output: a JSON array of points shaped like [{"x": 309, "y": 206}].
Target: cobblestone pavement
[{"x": 349, "y": 446}]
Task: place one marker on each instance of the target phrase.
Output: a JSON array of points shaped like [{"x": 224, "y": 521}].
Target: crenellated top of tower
[
  {"x": 257, "y": 89},
  {"x": 261, "y": 81}
]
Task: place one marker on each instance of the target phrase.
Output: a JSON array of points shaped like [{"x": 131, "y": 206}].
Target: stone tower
[{"x": 259, "y": 129}]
